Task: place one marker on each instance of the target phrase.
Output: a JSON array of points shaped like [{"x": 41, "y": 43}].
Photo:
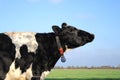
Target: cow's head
[{"x": 72, "y": 36}]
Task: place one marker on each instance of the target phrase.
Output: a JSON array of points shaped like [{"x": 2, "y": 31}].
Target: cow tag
[{"x": 63, "y": 59}]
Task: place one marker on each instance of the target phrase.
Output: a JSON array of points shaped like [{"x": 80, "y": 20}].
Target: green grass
[{"x": 84, "y": 74}]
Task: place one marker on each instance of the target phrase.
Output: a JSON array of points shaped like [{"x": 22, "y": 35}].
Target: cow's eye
[{"x": 71, "y": 30}]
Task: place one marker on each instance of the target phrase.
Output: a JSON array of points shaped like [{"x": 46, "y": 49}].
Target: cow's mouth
[
  {"x": 71, "y": 46},
  {"x": 91, "y": 38}
]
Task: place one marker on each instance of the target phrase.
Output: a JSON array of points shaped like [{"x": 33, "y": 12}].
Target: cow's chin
[{"x": 72, "y": 46}]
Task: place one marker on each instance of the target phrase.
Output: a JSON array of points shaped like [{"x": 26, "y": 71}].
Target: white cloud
[
  {"x": 51, "y": 1},
  {"x": 56, "y": 1},
  {"x": 33, "y": 1}
]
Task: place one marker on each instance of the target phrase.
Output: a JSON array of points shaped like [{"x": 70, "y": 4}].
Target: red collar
[{"x": 61, "y": 51}]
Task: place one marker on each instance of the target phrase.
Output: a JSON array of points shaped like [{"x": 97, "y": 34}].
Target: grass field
[{"x": 84, "y": 74}]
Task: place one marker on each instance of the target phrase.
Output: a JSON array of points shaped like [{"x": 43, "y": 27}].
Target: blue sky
[{"x": 101, "y": 17}]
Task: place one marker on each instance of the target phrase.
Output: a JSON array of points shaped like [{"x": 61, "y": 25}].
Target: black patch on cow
[
  {"x": 35, "y": 78},
  {"x": 7, "y": 54},
  {"x": 25, "y": 60},
  {"x": 47, "y": 53}
]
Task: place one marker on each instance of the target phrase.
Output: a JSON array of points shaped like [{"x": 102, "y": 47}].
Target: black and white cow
[{"x": 31, "y": 56}]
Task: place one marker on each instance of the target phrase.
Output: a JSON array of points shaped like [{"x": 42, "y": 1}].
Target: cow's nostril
[{"x": 92, "y": 37}]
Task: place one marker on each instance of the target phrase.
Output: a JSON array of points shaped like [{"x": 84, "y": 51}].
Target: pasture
[{"x": 84, "y": 74}]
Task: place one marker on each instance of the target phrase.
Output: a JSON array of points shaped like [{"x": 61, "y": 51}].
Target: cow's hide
[{"x": 31, "y": 56}]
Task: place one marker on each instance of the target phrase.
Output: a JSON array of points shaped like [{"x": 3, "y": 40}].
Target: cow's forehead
[{"x": 23, "y": 38}]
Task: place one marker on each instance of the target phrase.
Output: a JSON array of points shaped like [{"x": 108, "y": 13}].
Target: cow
[{"x": 31, "y": 55}]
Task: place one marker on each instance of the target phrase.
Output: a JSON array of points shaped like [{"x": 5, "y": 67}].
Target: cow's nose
[{"x": 93, "y": 36}]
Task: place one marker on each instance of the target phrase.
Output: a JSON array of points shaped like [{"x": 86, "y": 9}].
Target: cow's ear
[
  {"x": 56, "y": 29},
  {"x": 64, "y": 25}
]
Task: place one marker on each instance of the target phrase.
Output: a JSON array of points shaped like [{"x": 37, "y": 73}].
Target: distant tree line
[{"x": 86, "y": 67}]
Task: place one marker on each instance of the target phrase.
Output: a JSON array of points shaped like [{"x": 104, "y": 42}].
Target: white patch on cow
[
  {"x": 67, "y": 49},
  {"x": 15, "y": 74},
  {"x": 20, "y": 38},
  {"x": 44, "y": 74}
]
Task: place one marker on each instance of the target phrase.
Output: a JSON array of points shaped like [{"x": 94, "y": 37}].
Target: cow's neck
[{"x": 46, "y": 55}]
